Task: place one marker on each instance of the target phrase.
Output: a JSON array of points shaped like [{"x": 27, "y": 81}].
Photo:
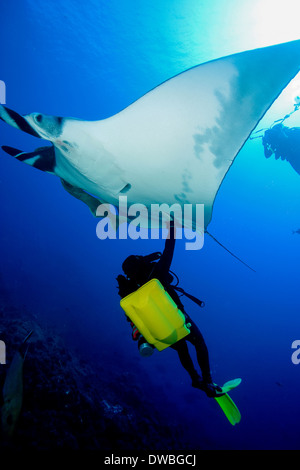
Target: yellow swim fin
[
  {"x": 229, "y": 408},
  {"x": 231, "y": 385},
  {"x": 227, "y": 404}
]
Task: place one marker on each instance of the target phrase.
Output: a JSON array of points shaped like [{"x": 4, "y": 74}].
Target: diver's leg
[
  {"x": 186, "y": 361},
  {"x": 207, "y": 385},
  {"x": 196, "y": 338}
]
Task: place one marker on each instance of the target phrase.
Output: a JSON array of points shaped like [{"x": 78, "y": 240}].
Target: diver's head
[
  {"x": 133, "y": 266},
  {"x": 136, "y": 267}
]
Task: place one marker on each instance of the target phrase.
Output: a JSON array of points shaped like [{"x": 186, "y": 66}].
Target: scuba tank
[{"x": 145, "y": 348}]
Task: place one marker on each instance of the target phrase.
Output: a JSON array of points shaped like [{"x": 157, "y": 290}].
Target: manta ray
[{"x": 173, "y": 145}]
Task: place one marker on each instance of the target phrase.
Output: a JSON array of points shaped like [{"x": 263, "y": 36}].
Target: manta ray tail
[
  {"x": 42, "y": 158},
  {"x": 230, "y": 252}
]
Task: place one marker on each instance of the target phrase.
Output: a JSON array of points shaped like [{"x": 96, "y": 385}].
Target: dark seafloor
[{"x": 71, "y": 404}]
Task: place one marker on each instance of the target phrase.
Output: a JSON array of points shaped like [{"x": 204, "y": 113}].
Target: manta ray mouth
[{"x": 16, "y": 120}]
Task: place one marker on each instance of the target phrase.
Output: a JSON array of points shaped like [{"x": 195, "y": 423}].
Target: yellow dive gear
[
  {"x": 155, "y": 314},
  {"x": 227, "y": 405}
]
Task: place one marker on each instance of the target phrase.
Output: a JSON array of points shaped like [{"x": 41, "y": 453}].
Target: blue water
[{"x": 90, "y": 60}]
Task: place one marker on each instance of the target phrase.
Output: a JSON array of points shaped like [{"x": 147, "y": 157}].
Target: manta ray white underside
[{"x": 173, "y": 145}]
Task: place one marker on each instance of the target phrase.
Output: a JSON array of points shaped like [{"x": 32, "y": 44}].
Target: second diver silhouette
[{"x": 284, "y": 143}]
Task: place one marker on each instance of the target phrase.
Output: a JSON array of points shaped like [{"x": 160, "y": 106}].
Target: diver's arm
[{"x": 164, "y": 264}]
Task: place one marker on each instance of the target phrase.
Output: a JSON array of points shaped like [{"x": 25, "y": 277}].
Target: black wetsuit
[{"x": 160, "y": 270}]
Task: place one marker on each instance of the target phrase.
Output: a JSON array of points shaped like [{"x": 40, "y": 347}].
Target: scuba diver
[
  {"x": 284, "y": 143},
  {"x": 139, "y": 270}
]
